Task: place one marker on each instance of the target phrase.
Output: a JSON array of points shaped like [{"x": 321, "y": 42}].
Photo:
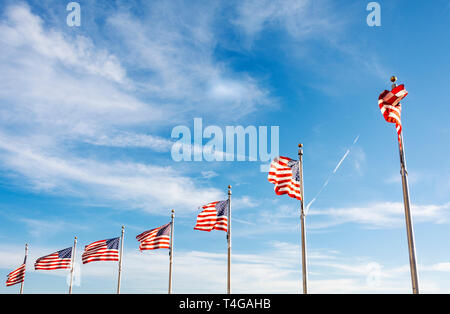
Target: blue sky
[{"x": 85, "y": 141}]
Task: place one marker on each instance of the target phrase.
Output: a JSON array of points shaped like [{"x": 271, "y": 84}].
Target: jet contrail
[{"x": 331, "y": 175}]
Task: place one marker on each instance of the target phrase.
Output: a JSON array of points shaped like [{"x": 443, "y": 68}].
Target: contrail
[{"x": 331, "y": 175}]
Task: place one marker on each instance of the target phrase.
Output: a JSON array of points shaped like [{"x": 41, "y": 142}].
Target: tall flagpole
[
  {"x": 25, "y": 262},
  {"x": 229, "y": 242},
  {"x": 408, "y": 218},
  {"x": 73, "y": 264},
  {"x": 302, "y": 219},
  {"x": 120, "y": 260},
  {"x": 171, "y": 252}
]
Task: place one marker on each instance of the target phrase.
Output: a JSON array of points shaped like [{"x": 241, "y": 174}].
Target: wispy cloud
[
  {"x": 381, "y": 215},
  {"x": 178, "y": 53},
  {"x": 134, "y": 183},
  {"x": 61, "y": 91},
  {"x": 301, "y": 19},
  {"x": 128, "y": 139},
  {"x": 61, "y": 86},
  {"x": 24, "y": 30},
  {"x": 275, "y": 270}
]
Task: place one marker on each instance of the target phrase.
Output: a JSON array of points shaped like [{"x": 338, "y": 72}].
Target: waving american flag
[
  {"x": 213, "y": 217},
  {"x": 389, "y": 102},
  {"x": 158, "y": 238},
  {"x": 284, "y": 173},
  {"x": 58, "y": 260},
  {"x": 103, "y": 250},
  {"x": 16, "y": 276}
]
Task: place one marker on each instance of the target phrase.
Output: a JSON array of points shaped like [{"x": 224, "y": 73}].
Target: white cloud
[
  {"x": 381, "y": 215},
  {"x": 275, "y": 270},
  {"x": 148, "y": 187},
  {"x": 61, "y": 90},
  {"x": 444, "y": 267},
  {"x": 300, "y": 18},
  {"x": 25, "y": 31},
  {"x": 127, "y": 139},
  {"x": 38, "y": 228},
  {"x": 178, "y": 53},
  {"x": 209, "y": 174},
  {"x": 273, "y": 216},
  {"x": 62, "y": 87}
]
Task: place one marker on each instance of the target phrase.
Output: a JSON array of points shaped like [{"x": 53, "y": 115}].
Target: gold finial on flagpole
[{"x": 394, "y": 81}]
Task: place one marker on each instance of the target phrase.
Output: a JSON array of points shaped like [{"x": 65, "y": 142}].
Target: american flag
[
  {"x": 389, "y": 102},
  {"x": 158, "y": 238},
  {"x": 58, "y": 260},
  {"x": 284, "y": 173},
  {"x": 103, "y": 250},
  {"x": 213, "y": 217},
  {"x": 16, "y": 276}
]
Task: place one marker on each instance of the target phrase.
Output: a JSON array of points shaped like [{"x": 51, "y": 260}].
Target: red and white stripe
[
  {"x": 151, "y": 241},
  {"x": 16, "y": 276},
  {"x": 389, "y": 102},
  {"x": 98, "y": 251},
  {"x": 208, "y": 220},
  {"x": 52, "y": 261},
  {"x": 281, "y": 175}
]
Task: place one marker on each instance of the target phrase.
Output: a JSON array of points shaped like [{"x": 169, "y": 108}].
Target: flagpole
[
  {"x": 229, "y": 242},
  {"x": 408, "y": 218},
  {"x": 302, "y": 219},
  {"x": 24, "y": 261},
  {"x": 120, "y": 260},
  {"x": 171, "y": 252},
  {"x": 73, "y": 264}
]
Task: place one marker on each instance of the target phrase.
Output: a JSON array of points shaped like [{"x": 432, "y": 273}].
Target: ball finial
[
  {"x": 229, "y": 186},
  {"x": 393, "y": 79},
  {"x": 300, "y": 145}
]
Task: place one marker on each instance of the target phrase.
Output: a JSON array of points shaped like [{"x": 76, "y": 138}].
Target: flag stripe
[
  {"x": 213, "y": 217},
  {"x": 58, "y": 260},
  {"x": 283, "y": 173},
  {"x": 390, "y": 106},
  {"x": 16, "y": 276},
  {"x": 102, "y": 250},
  {"x": 158, "y": 238}
]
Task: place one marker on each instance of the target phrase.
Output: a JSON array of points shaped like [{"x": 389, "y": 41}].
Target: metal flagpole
[
  {"x": 171, "y": 252},
  {"x": 120, "y": 260},
  {"x": 25, "y": 262},
  {"x": 73, "y": 264},
  {"x": 229, "y": 241},
  {"x": 302, "y": 219},
  {"x": 408, "y": 218}
]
